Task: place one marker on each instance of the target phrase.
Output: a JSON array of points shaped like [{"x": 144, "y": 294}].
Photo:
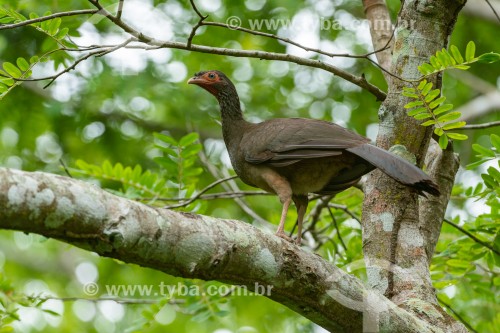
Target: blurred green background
[{"x": 109, "y": 108}]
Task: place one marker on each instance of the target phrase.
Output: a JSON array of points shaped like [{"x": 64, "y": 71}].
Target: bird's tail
[{"x": 397, "y": 168}]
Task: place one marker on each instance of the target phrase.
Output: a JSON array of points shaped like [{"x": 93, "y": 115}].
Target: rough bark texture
[
  {"x": 381, "y": 32},
  {"x": 395, "y": 229},
  {"x": 195, "y": 246}
]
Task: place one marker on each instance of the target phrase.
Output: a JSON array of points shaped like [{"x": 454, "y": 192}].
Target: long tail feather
[{"x": 397, "y": 168}]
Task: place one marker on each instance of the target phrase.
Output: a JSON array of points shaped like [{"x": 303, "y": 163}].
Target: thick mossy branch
[{"x": 195, "y": 246}]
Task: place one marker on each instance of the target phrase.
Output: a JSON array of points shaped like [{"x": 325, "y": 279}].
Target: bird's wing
[{"x": 282, "y": 142}]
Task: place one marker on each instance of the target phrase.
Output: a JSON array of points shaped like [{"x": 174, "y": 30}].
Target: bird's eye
[{"x": 211, "y": 76}]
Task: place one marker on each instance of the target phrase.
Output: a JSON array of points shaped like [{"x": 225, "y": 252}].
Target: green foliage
[
  {"x": 427, "y": 104},
  {"x": 179, "y": 159},
  {"x": 469, "y": 258},
  {"x": 12, "y": 75},
  {"x": 135, "y": 183},
  {"x": 444, "y": 59},
  {"x": 492, "y": 176}
]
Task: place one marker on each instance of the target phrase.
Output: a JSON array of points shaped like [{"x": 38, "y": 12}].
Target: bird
[{"x": 293, "y": 157}]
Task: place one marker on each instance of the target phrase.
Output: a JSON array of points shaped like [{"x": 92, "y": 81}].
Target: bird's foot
[{"x": 284, "y": 236}]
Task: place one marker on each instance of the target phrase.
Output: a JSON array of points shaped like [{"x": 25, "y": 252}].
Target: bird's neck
[{"x": 233, "y": 122}]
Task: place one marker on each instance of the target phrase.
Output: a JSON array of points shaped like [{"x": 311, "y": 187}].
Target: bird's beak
[{"x": 196, "y": 80}]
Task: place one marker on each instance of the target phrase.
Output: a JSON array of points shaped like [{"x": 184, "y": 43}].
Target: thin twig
[
  {"x": 65, "y": 168},
  {"x": 49, "y": 17},
  {"x": 199, "y": 24},
  {"x": 493, "y": 9},
  {"x": 346, "y": 210},
  {"x": 99, "y": 53},
  {"x": 474, "y": 238},
  {"x": 291, "y": 42},
  {"x": 116, "y": 300},
  {"x": 479, "y": 126},
  {"x": 231, "y": 186},
  {"x": 212, "y": 196},
  {"x": 357, "y": 80},
  {"x": 462, "y": 320},
  {"x": 197, "y": 196},
  {"x": 337, "y": 228},
  {"x": 120, "y": 10}
]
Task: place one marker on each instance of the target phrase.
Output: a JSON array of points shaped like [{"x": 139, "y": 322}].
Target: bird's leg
[
  {"x": 282, "y": 188},
  {"x": 301, "y": 202},
  {"x": 281, "y": 228}
]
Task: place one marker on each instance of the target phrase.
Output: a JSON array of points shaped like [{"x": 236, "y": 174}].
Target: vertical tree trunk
[{"x": 394, "y": 243}]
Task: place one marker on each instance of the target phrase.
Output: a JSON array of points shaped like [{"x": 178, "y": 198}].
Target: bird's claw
[{"x": 284, "y": 236}]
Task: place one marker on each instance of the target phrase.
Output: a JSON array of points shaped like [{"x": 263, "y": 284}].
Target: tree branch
[
  {"x": 471, "y": 236},
  {"x": 49, "y": 17},
  {"x": 480, "y": 126},
  {"x": 154, "y": 43},
  {"x": 382, "y": 36},
  {"x": 195, "y": 246}
]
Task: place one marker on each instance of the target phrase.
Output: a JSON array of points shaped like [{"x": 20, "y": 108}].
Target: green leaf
[
  {"x": 464, "y": 67},
  {"x": 7, "y": 81},
  {"x": 427, "y": 87},
  {"x": 483, "y": 151},
  {"x": 62, "y": 33},
  {"x": 421, "y": 116},
  {"x": 433, "y": 94},
  {"x": 7, "y": 19},
  {"x": 476, "y": 164},
  {"x": 458, "y": 263},
  {"x": 3, "y": 88},
  {"x": 425, "y": 69},
  {"x": 443, "y": 108},
  {"x": 444, "y": 284},
  {"x": 413, "y": 104},
  {"x": 165, "y": 138},
  {"x": 494, "y": 173},
  {"x": 107, "y": 168},
  {"x": 191, "y": 150},
  {"x": 12, "y": 69},
  {"x": 409, "y": 94},
  {"x": 488, "y": 181},
  {"x": 456, "y": 54},
  {"x": 34, "y": 59},
  {"x": 470, "y": 51},
  {"x": 438, "y": 131},
  {"x": 495, "y": 142},
  {"x": 457, "y": 136},
  {"x": 22, "y": 64},
  {"x": 54, "y": 26},
  {"x": 416, "y": 111},
  {"x": 202, "y": 316},
  {"x": 443, "y": 141},
  {"x": 188, "y": 139},
  {"x": 489, "y": 58},
  {"x": 443, "y": 58},
  {"x": 457, "y": 124},
  {"x": 449, "y": 117},
  {"x": 429, "y": 122},
  {"x": 436, "y": 102},
  {"x": 422, "y": 84},
  {"x": 451, "y": 60},
  {"x": 435, "y": 62}
]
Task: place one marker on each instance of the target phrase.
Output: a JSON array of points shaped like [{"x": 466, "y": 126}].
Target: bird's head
[{"x": 215, "y": 82}]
